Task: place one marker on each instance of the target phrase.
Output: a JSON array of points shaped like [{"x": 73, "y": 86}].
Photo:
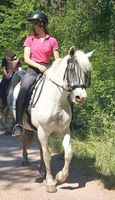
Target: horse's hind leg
[
  {"x": 63, "y": 174},
  {"x": 26, "y": 142},
  {"x": 41, "y": 166}
]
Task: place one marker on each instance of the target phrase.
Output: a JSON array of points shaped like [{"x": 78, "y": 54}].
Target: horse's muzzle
[{"x": 80, "y": 100}]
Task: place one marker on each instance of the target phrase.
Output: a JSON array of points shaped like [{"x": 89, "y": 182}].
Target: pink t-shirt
[{"x": 41, "y": 50}]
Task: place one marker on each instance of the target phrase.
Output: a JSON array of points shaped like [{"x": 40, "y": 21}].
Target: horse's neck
[
  {"x": 51, "y": 90},
  {"x": 57, "y": 70},
  {"x": 53, "y": 84}
]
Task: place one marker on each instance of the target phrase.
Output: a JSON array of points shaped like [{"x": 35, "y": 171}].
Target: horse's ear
[
  {"x": 89, "y": 54},
  {"x": 72, "y": 51}
]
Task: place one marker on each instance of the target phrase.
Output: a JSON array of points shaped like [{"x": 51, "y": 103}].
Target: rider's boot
[{"x": 17, "y": 130}]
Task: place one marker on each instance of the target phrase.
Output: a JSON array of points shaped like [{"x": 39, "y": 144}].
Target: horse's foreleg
[
  {"x": 43, "y": 137},
  {"x": 63, "y": 174}
]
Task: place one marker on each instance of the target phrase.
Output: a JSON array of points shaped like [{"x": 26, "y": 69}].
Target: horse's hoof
[
  {"x": 39, "y": 180},
  {"x": 25, "y": 163},
  {"x": 60, "y": 178},
  {"x": 51, "y": 188}
]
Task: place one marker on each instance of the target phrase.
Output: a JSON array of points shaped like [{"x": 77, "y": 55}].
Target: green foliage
[
  {"x": 13, "y": 25},
  {"x": 100, "y": 146},
  {"x": 55, "y": 143}
]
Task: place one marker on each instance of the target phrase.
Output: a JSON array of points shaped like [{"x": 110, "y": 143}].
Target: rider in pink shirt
[
  {"x": 38, "y": 49},
  {"x": 41, "y": 49}
]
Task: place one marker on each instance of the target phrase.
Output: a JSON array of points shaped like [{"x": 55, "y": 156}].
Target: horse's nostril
[
  {"x": 80, "y": 99},
  {"x": 77, "y": 97}
]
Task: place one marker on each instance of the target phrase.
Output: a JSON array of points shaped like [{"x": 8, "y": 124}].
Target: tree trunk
[{"x": 59, "y": 2}]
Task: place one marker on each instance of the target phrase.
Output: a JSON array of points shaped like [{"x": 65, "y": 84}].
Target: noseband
[{"x": 78, "y": 86}]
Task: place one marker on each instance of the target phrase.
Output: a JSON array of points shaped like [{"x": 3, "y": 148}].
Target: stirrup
[{"x": 17, "y": 130}]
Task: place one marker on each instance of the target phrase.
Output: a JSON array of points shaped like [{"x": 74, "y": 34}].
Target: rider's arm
[
  {"x": 30, "y": 62},
  {"x": 4, "y": 66},
  {"x": 4, "y": 71},
  {"x": 56, "y": 54}
]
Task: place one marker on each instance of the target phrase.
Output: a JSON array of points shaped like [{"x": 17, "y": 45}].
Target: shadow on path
[{"x": 12, "y": 172}]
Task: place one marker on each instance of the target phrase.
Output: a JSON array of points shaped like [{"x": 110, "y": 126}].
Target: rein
[
  {"x": 69, "y": 90},
  {"x": 42, "y": 79}
]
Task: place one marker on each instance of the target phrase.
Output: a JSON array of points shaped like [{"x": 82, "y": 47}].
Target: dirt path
[{"x": 19, "y": 183}]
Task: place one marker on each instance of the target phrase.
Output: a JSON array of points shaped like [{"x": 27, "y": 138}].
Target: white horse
[{"x": 51, "y": 110}]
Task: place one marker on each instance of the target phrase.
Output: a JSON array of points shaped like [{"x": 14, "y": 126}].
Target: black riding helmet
[{"x": 39, "y": 16}]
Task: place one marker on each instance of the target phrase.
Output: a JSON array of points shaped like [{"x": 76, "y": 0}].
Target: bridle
[{"x": 71, "y": 76}]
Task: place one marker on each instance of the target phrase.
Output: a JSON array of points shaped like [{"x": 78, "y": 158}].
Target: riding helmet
[{"x": 39, "y": 16}]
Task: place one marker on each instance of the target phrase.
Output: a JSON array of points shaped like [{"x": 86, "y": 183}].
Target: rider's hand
[
  {"x": 42, "y": 68},
  {"x": 8, "y": 75}
]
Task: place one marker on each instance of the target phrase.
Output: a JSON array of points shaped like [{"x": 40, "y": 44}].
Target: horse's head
[{"x": 77, "y": 74}]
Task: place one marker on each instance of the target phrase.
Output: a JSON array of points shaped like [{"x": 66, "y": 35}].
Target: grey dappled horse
[{"x": 51, "y": 110}]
